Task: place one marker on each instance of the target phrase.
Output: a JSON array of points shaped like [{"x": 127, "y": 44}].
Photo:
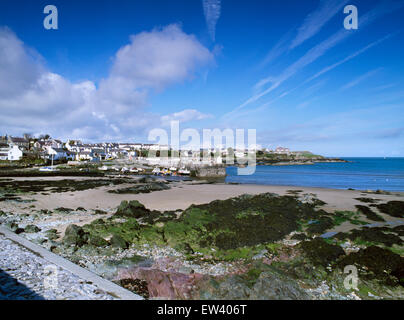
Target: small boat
[
  {"x": 47, "y": 169},
  {"x": 139, "y": 169},
  {"x": 133, "y": 170},
  {"x": 156, "y": 171},
  {"x": 103, "y": 168},
  {"x": 124, "y": 169},
  {"x": 173, "y": 169}
]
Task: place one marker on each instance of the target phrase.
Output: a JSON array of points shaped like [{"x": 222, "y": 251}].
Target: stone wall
[{"x": 211, "y": 172}]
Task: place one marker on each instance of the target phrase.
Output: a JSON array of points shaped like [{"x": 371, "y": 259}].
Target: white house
[
  {"x": 281, "y": 150},
  {"x": 83, "y": 155},
  {"x": 14, "y": 153}
]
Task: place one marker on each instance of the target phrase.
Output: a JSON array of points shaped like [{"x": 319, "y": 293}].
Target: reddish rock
[{"x": 167, "y": 285}]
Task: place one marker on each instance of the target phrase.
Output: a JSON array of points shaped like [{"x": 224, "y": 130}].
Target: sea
[{"x": 358, "y": 173}]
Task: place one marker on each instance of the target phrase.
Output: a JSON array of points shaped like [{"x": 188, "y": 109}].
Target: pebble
[{"x": 26, "y": 276}]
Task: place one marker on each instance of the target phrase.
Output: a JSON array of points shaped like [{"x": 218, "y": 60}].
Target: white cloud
[
  {"x": 359, "y": 79},
  {"x": 184, "y": 116},
  {"x": 33, "y": 99},
  {"x": 211, "y": 9},
  {"x": 159, "y": 58},
  {"x": 317, "y": 19}
]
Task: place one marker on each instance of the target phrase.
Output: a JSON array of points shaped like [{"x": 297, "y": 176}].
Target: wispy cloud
[
  {"x": 346, "y": 59},
  {"x": 316, "y": 20},
  {"x": 312, "y": 24},
  {"x": 360, "y": 79},
  {"x": 277, "y": 50},
  {"x": 211, "y": 9},
  {"x": 184, "y": 116},
  {"x": 316, "y": 52}
]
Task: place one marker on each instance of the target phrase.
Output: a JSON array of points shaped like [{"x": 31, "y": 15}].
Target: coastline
[
  {"x": 125, "y": 241},
  {"x": 182, "y": 194}
]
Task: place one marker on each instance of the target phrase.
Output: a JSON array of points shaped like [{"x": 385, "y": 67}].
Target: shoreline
[
  {"x": 98, "y": 202},
  {"x": 182, "y": 194},
  {"x": 103, "y": 234}
]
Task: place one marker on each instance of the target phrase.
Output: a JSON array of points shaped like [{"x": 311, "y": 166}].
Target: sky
[{"x": 114, "y": 70}]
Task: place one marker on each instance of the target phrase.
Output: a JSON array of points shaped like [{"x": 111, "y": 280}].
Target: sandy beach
[
  {"x": 182, "y": 195},
  {"x": 50, "y": 207}
]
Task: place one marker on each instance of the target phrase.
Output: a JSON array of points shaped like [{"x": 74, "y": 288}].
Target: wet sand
[{"x": 182, "y": 195}]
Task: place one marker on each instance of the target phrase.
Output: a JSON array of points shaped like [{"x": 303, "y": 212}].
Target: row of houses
[{"x": 14, "y": 148}]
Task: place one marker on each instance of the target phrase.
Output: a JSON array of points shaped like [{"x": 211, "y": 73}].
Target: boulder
[
  {"x": 166, "y": 285},
  {"x": 271, "y": 287},
  {"x": 14, "y": 227},
  {"x": 75, "y": 235},
  {"x": 97, "y": 241},
  {"x": 52, "y": 234},
  {"x": 131, "y": 209},
  {"x": 118, "y": 242},
  {"x": 31, "y": 229}
]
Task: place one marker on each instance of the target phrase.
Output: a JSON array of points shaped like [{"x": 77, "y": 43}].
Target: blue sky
[{"x": 116, "y": 69}]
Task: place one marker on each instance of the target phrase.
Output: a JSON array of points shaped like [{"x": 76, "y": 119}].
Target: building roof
[
  {"x": 17, "y": 139},
  {"x": 59, "y": 150}
]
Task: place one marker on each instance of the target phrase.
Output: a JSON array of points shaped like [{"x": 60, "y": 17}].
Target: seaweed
[
  {"x": 392, "y": 208},
  {"x": 320, "y": 252},
  {"x": 371, "y": 235},
  {"x": 379, "y": 263},
  {"x": 371, "y": 215}
]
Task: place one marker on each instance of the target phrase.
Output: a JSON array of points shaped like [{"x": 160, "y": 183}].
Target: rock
[
  {"x": 118, "y": 242},
  {"x": 392, "y": 208},
  {"x": 97, "y": 211},
  {"x": 371, "y": 215},
  {"x": 379, "y": 235},
  {"x": 167, "y": 285},
  {"x": 136, "y": 285},
  {"x": 211, "y": 172},
  {"x": 39, "y": 241},
  {"x": 14, "y": 227},
  {"x": 143, "y": 188},
  {"x": 75, "y": 235},
  {"x": 320, "y": 252},
  {"x": 379, "y": 263},
  {"x": 52, "y": 234},
  {"x": 63, "y": 210},
  {"x": 233, "y": 289},
  {"x": 270, "y": 287},
  {"x": 131, "y": 209},
  {"x": 31, "y": 229},
  {"x": 97, "y": 241}
]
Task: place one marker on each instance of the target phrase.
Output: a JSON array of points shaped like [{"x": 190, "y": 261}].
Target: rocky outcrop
[
  {"x": 175, "y": 285},
  {"x": 167, "y": 285},
  {"x": 75, "y": 235},
  {"x": 131, "y": 209},
  {"x": 118, "y": 242}
]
